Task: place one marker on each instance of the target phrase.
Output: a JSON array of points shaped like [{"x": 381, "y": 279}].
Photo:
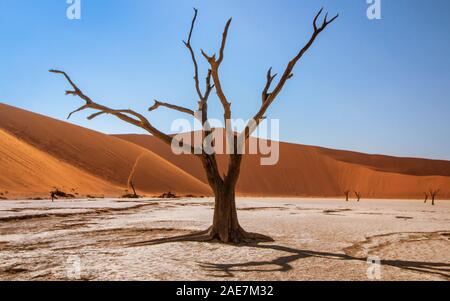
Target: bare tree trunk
[
  {"x": 433, "y": 194},
  {"x": 225, "y": 222},
  {"x": 347, "y": 193},
  {"x": 134, "y": 190},
  {"x": 225, "y": 226},
  {"x": 358, "y": 196}
]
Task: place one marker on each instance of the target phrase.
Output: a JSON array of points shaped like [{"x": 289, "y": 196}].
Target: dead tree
[
  {"x": 433, "y": 194},
  {"x": 53, "y": 196},
  {"x": 131, "y": 176},
  {"x": 358, "y": 195},
  {"x": 347, "y": 195},
  {"x": 134, "y": 196},
  {"x": 225, "y": 225},
  {"x": 426, "y": 197}
]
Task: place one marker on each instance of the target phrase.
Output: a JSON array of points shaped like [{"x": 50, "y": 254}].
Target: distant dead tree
[
  {"x": 358, "y": 195},
  {"x": 225, "y": 227},
  {"x": 131, "y": 176},
  {"x": 56, "y": 193},
  {"x": 433, "y": 194},
  {"x": 134, "y": 195},
  {"x": 347, "y": 195},
  {"x": 426, "y": 197}
]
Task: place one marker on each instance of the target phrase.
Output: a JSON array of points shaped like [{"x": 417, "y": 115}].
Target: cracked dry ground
[{"x": 314, "y": 240}]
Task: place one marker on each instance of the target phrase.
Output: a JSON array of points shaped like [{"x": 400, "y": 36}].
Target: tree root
[
  {"x": 250, "y": 237},
  {"x": 209, "y": 235}
]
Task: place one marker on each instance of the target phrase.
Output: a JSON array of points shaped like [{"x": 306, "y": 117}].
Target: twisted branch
[
  {"x": 127, "y": 115},
  {"x": 170, "y": 106},
  {"x": 268, "y": 98}
]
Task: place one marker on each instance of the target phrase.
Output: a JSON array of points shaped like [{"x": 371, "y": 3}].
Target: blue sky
[{"x": 379, "y": 86}]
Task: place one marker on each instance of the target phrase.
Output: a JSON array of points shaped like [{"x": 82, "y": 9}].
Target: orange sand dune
[
  {"x": 315, "y": 172},
  {"x": 83, "y": 156},
  {"x": 38, "y": 153},
  {"x": 27, "y": 171}
]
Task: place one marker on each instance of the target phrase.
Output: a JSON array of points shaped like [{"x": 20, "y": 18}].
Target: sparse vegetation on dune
[
  {"x": 56, "y": 193},
  {"x": 168, "y": 195}
]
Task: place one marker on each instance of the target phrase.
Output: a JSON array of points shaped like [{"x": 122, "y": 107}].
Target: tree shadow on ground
[
  {"x": 208, "y": 235},
  {"x": 283, "y": 263}
]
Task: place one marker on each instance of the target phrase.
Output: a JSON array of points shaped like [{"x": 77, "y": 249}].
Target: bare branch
[
  {"x": 209, "y": 161},
  {"x": 210, "y": 59},
  {"x": 209, "y": 86},
  {"x": 142, "y": 119},
  {"x": 433, "y": 193},
  {"x": 76, "y": 91},
  {"x": 77, "y": 110},
  {"x": 315, "y": 19},
  {"x": 270, "y": 78},
  {"x": 202, "y": 104},
  {"x": 138, "y": 120},
  {"x": 95, "y": 115},
  {"x": 224, "y": 41},
  {"x": 215, "y": 64},
  {"x": 192, "y": 26},
  {"x": 170, "y": 106},
  {"x": 253, "y": 124},
  {"x": 194, "y": 59},
  {"x": 235, "y": 159},
  {"x": 68, "y": 79}
]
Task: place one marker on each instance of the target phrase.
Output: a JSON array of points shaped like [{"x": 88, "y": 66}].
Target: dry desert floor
[{"x": 314, "y": 240}]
